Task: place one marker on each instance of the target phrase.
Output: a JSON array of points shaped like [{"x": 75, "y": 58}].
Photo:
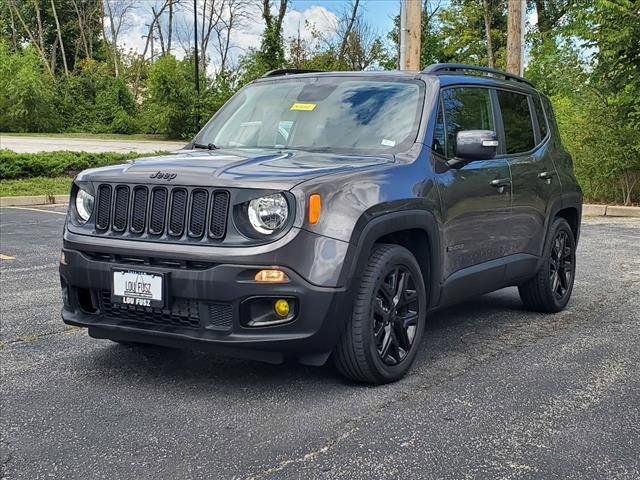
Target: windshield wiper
[{"x": 208, "y": 146}]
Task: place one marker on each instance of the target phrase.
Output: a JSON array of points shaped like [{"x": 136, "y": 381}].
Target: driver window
[{"x": 466, "y": 108}]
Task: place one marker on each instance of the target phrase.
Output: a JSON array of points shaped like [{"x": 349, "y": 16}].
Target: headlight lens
[
  {"x": 268, "y": 214},
  {"x": 84, "y": 204}
]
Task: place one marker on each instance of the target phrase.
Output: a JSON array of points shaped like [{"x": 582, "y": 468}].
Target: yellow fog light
[
  {"x": 271, "y": 276},
  {"x": 63, "y": 258},
  {"x": 281, "y": 307}
]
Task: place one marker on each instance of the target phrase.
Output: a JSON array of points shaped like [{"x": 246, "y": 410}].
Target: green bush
[
  {"x": 54, "y": 164},
  {"x": 27, "y": 102}
]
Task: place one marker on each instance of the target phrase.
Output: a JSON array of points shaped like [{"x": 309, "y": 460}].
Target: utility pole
[
  {"x": 197, "y": 72},
  {"x": 410, "y": 33},
  {"x": 515, "y": 34}
]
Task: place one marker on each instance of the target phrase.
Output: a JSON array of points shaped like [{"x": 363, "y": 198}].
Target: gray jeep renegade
[{"x": 322, "y": 215}]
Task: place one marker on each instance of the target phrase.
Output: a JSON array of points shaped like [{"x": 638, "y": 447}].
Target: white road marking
[{"x": 38, "y": 210}]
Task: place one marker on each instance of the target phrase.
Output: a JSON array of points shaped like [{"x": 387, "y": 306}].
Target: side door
[
  {"x": 475, "y": 199},
  {"x": 525, "y": 138}
]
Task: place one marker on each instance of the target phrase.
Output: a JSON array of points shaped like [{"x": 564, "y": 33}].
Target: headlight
[
  {"x": 268, "y": 214},
  {"x": 84, "y": 204}
]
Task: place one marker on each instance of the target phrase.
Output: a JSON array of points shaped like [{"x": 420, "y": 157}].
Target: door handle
[
  {"x": 500, "y": 183},
  {"x": 546, "y": 176}
]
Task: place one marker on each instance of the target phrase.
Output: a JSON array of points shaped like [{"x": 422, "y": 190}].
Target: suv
[{"x": 323, "y": 215}]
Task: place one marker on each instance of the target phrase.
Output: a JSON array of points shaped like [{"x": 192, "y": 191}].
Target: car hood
[{"x": 234, "y": 168}]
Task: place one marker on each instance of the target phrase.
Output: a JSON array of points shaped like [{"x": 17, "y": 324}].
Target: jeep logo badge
[{"x": 163, "y": 175}]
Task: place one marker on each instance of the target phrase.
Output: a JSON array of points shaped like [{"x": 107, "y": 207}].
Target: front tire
[
  {"x": 383, "y": 335},
  {"x": 549, "y": 291}
]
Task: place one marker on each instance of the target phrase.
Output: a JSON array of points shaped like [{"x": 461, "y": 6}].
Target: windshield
[{"x": 343, "y": 114}]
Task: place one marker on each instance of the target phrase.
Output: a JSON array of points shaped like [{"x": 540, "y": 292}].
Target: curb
[
  {"x": 588, "y": 210},
  {"x": 33, "y": 200}
]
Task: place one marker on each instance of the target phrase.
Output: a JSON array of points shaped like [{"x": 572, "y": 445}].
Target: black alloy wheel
[
  {"x": 550, "y": 289},
  {"x": 395, "y": 315},
  {"x": 561, "y": 265},
  {"x": 381, "y": 338}
]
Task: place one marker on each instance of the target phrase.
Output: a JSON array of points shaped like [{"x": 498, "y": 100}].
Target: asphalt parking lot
[{"x": 497, "y": 392}]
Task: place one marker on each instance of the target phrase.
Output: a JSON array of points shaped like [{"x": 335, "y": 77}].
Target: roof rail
[
  {"x": 288, "y": 71},
  {"x": 444, "y": 68}
]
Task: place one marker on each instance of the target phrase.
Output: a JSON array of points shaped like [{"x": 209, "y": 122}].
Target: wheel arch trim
[{"x": 369, "y": 230}]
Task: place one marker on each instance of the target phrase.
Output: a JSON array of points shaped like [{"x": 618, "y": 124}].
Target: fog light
[
  {"x": 271, "y": 276},
  {"x": 281, "y": 307},
  {"x": 63, "y": 258}
]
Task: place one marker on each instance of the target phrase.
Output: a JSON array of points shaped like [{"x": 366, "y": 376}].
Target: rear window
[
  {"x": 542, "y": 121},
  {"x": 516, "y": 118}
]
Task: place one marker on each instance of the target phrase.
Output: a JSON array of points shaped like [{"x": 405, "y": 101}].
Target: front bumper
[{"x": 205, "y": 309}]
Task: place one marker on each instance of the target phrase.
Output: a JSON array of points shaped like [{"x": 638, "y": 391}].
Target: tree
[
  {"x": 271, "y": 54},
  {"x": 118, "y": 12}
]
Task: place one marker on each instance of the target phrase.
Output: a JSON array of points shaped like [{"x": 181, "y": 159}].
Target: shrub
[{"x": 55, "y": 164}]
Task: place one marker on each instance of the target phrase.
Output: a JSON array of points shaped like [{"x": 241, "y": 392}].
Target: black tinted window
[
  {"x": 542, "y": 121},
  {"x": 516, "y": 118},
  {"x": 438, "y": 133},
  {"x": 466, "y": 108}
]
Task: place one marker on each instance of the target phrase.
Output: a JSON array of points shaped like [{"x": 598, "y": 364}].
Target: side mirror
[{"x": 474, "y": 145}]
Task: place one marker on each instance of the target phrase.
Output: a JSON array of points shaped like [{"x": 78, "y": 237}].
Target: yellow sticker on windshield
[{"x": 303, "y": 107}]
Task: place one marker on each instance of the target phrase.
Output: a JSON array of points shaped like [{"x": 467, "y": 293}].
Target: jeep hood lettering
[{"x": 240, "y": 168}]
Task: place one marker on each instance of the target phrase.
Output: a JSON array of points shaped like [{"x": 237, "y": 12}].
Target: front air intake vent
[
  {"x": 158, "y": 211},
  {"x": 139, "y": 209},
  {"x": 121, "y": 210},
  {"x": 179, "y": 198},
  {"x": 198, "y": 216},
  {"x": 218, "y": 221},
  {"x": 103, "y": 211}
]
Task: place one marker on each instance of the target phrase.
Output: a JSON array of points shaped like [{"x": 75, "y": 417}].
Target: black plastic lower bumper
[{"x": 205, "y": 310}]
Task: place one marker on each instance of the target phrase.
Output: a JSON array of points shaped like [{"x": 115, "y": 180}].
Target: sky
[{"x": 322, "y": 14}]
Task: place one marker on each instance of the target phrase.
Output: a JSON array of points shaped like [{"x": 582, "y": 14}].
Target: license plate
[{"x": 133, "y": 287}]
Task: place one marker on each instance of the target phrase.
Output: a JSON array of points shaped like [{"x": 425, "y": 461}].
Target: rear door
[
  {"x": 524, "y": 135},
  {"x": 475, "y": 199}
]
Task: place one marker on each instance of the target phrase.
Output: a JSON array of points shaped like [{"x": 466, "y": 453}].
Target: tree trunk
[
  {"x": 36, "y": 45},
  {"x": 343, "y": 45},
  {"x": 14, "y": 32},
  {"x": 36, "y": 7},
  {"x": 170, "y": 28},
  {"x": 114, "y": 39},
  {"x": 62, "y": 52},
  {"x": 83, "y": 35},
  {"x": 156, "y": 15},
  {"x": 487, "y": 29},
  {"x": 514, "y": 36}
]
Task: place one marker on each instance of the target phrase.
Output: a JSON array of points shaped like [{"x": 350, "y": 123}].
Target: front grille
[
  {"x": 162, "y": 213},
  {"x": 103, "y": 211},
  {"x": 137, "y": 260},
  {"x": 183, "y": 312},
  {"x": 158, "y": 208},
  {"x": 220, "y": 316},
  {"x": 139, "y": 210},
  {"x": 178, "y": 209},
  {"x": 121, "y": 210},
  {"x": 219, "y": 208}
]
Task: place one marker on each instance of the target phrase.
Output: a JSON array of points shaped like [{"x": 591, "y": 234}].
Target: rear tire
[
  {"x": 383, "y": 334},
  {"x": 550, "y": 289}
]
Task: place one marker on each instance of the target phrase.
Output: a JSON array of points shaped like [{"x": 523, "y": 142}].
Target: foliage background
[{"x": 583, "y": 54}]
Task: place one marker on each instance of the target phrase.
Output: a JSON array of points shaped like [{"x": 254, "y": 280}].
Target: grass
[
  {"x": 98, "y": 136},
  {"x": 35, "y": 186}
]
